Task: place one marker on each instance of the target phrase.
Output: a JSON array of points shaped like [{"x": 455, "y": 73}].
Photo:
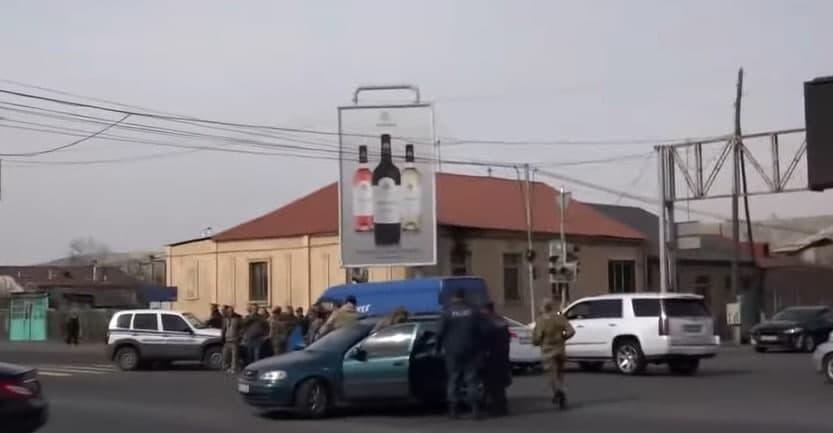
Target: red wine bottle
[{"x": 387, "y": 221}]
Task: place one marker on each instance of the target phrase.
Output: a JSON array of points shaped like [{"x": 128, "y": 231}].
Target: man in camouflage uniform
[{"x": 552, "y": 330}]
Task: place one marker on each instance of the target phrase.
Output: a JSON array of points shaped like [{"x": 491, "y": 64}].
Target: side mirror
[{"x": 359, "y": 354}]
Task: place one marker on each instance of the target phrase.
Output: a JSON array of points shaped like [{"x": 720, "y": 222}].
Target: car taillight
[
  {"x": 15, "y": 390},
  {"x": 513, "y": 334},
  {"x": 663, "y": 325}
]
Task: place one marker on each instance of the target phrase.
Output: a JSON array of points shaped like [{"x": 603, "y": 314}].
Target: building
[
  {"x": 148, "y": 266},
  {"x": 289, "y": 256}
]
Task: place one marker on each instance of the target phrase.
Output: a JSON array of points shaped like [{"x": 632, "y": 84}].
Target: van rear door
[{"x": 689, "y": 321}]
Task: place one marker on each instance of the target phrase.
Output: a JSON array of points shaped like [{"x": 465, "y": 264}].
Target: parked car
[
  {"x": 138, "y": 337},
  {"x": 23, "y": 408},
  {"x": 349, "y": 367},
  {"x": 794, "y": 328},
  {"x": 522, "y": 354},
  {"x": 823, "y": 358},
  {"x": 633, "y": 330}
]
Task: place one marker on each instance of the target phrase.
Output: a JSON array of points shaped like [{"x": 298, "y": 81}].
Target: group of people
[
  {"x": 475, "y": 343},
  {"x": 262, "y": 333}
]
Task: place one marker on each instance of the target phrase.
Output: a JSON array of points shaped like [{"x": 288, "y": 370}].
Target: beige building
[{"x": 291, "y": 255}]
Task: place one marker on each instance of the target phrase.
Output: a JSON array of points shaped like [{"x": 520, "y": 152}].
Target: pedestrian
[
  {"x": 399, "y": 315},
  {"x": 231, "y": 339},
  {"x": 255, "y": 329},
  {"x": 497, "y": 370},
  {"x": 302, "y": 320},
  {"x": 215, "y": 320},
  {"x": 279, "y": 331},
  {"x": 316, "y": 320},
  {"x": 73, "y": 329},
  {"x": 552, "y": 330},
  {"x": 343, "y": 317},
  {"x": 460, "y": 336}
]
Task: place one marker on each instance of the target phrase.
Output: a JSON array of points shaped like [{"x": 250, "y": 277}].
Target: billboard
[
  {"x": 818, "y": 117},
  {"x": 387, "y": 186}
]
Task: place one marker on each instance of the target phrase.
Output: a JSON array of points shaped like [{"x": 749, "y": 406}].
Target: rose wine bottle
[
  {"x": 387, "y": 222},
  {"x": 362, "y": 195},
  {"x": 411, "y": 192}
]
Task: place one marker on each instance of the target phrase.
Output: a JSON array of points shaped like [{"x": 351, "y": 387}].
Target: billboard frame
[{"x": 418, "y": 103}]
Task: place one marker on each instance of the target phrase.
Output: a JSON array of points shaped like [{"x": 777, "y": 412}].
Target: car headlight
[
  {"x": 793, "y": 330},
  {"x": 273, "y": 376}
]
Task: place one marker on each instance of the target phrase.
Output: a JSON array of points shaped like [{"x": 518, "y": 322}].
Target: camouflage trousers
[{"x": 554, "y": 365}]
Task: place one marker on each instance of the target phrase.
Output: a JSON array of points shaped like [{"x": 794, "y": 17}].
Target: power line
[
  {"x": 595, "y": 161},
  {"x": 107, "y": 161},
  {"x": 68, "y": 145}
]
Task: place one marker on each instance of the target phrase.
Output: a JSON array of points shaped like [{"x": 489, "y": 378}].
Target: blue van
[{"x": 423, "y": 296}]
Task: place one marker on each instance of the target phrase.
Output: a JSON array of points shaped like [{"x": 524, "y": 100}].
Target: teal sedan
[{"x": 348, "y": 367}]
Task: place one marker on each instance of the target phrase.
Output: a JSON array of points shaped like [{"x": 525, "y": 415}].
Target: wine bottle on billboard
[
  {"x": 362, "y": 195},
  {"x": 386, "y": 182},
  {"x": 411, "y": 192}
]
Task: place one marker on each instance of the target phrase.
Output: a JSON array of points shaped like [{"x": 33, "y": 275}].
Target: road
[{"x": 738, "y": 392}]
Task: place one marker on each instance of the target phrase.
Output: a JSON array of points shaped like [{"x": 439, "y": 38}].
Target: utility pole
[
  {"x": 736, "y": 155},
  {"x": 563, "y": 199},
  {"x": 530, "y": 252}
]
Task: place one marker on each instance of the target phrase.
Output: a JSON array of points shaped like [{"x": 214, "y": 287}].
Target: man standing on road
[
  {"x": 280, "y": 328},
  {"x": 255, "y": 330},
  {"x": 215, "y": 320},
  {"x": 460, "y": 336},
  {"x": 497, "y": 370},
  {"x": 231, "y": 339},
  {"x": 302, "y": 320},
  {"x": 552, "y": 330},
  {"x": 73, "y": 329}
]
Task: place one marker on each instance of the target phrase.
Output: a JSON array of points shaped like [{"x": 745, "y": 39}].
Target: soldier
[
  {"x": 399, "y": 315},
  {"x": 345, "y": 316},
  {"x": 460, "y": 336},
  {"x": 552, "y": 330},
  {"x": 231, "y": 339},
  {"x": 278, "y": 331},
  {"x": 497, "y": 369}
]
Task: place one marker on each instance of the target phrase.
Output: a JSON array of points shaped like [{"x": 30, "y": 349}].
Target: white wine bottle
[{"x": 411, "y": 193}]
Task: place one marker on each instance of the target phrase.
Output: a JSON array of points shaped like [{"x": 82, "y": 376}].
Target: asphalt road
[{"x": 738, "y": 392}]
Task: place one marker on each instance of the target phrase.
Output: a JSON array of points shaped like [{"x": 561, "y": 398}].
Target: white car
[
  {"x": 137, "y": 336},
  {"x": 522, "y": 354},
  {"x": 823, "y": 358},
  {"x": 636, "y": 329}
]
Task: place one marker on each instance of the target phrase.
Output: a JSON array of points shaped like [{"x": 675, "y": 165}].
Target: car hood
[
  {"x": 776, "y": 325},
  {"x": 12, "y": 370},
  {"x": 295, "y": 360},
  {"x": 210, "y": 332}
]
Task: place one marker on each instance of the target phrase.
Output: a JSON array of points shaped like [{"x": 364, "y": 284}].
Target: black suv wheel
[{"x": 127, "y": 358}]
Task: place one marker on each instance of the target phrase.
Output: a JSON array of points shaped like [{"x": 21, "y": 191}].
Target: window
[
  {"x": 460, "y": 263},
  {"x": 258, "y": 282},
  {"x": 685, "y": 308},
  {"x": 512, "y": 277},
  {"x": 123, "y": 322},
  {"x": 601, "y": 309},
  {"x": 147, "y": 322},
  {"x": 393, "y": 341},
  {"x": 606, "y": 309},
  {"x": 646, "y": 307},
  {"x": 621, "y": 276},
  {"x": 174, "y": 323}
]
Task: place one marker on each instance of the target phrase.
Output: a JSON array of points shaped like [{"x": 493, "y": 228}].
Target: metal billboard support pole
[
  {"x": 530, "y": 248},
  {"x": 663, "y": 252}
]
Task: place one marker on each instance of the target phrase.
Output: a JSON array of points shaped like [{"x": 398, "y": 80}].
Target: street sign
[{"x": 387, "y": 184}]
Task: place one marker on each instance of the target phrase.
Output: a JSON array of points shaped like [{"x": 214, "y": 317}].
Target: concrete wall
[{"x": 301, "y": 268}]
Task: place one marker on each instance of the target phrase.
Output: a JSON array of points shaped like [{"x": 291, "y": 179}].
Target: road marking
[
  {"x": 71, "y": 370},
  {"x": 49, "y": 373}
]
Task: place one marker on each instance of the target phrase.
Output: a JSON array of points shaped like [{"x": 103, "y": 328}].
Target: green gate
[{"x": 27, "y": 317}]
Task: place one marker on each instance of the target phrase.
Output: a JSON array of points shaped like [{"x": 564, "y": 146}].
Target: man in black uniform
[
  {"x": 460, "y": 336},
  {"x": 497, "y": 369}
]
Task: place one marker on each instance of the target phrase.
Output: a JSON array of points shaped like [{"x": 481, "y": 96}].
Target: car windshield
[
  {"x": 340, "y": 340},
  {"x": 194, "y": 321},
  {"x": 798, "y": 314}
]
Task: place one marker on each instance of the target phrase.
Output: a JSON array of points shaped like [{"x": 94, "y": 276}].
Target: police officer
[
  {"x": 497, "y": 370},
  {"x": 552, "y": 330},
  {"x": 460, "y": 336}
]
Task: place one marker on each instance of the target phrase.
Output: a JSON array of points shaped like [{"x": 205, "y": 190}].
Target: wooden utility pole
[
  {"x": 530, "y": 252},
  {"x": 736, "y": 155}
]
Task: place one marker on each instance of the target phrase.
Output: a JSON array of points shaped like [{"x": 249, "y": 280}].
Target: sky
[{"x": 634, "y": 70}]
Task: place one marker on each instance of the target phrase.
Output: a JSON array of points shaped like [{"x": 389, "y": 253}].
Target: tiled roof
[{"x": 462, "y": 201}]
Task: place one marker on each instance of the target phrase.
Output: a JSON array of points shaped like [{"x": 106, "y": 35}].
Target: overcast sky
[{"x": 509, "y": 70}]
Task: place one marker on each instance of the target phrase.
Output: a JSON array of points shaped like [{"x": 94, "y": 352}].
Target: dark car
[
  {"x": 350, "y": 366},
  {"x": 795, "y": 328},
  {"x": 22, "y": 406}
]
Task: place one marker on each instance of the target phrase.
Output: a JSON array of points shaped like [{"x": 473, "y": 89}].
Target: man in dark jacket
[
  {"x": 497, "y": 370},
  {"x": 255, "y": 329},
  {"x": 73, "y": 329},
  {"x": 459, "y": 336},
  {"x": 215, "y": 320}
]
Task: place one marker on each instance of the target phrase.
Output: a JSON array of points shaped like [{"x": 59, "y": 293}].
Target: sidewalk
[{"x": 51, "y": 347}]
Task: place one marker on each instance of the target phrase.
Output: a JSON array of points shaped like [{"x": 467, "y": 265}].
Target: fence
[{"x": 93, "y": 324}]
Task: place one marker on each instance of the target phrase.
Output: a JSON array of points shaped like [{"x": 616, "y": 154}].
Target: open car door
[{"x": 378, "y": 366}]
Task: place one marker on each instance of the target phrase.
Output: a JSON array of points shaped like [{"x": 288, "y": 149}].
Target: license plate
[
  {"x": 243, "y": 387},
  {"x": 768, "y": 338},
  {"x": 692, "y": 328}
]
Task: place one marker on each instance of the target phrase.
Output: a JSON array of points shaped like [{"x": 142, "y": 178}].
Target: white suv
[
  {"x": 138, "y": 336},
  {"x": 633, "y": 330}
]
